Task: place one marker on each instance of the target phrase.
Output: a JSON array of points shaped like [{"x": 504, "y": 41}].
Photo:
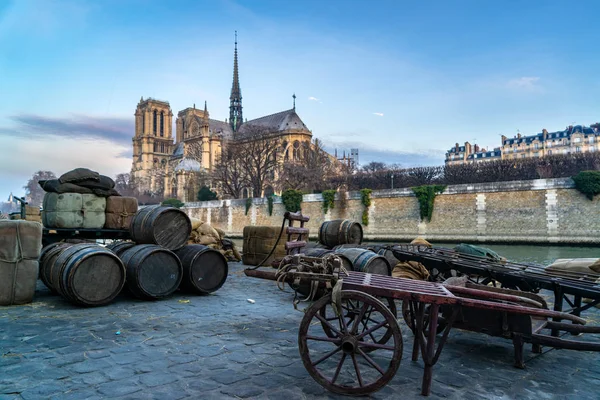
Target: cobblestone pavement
[{"x": 222, "y": 346}]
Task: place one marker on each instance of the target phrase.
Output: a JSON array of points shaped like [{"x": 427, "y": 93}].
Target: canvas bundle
[
  {"x": 120, "y": 211},
  {"x": 73, "y": 210},
  {"x": 20, "y": 247}
]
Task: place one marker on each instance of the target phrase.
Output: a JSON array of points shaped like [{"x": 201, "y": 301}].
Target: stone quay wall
[{"x": 538, "y": 211}]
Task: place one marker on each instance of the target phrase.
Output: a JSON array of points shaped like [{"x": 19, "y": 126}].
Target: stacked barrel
[
  {"x": 152, "y": 266},
  {"x": 343, "y": 238}
]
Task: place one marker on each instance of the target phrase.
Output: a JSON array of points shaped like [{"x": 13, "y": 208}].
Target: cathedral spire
[
  {"x": 235, "y": 100},
  {"x": 205, "y": 118}
]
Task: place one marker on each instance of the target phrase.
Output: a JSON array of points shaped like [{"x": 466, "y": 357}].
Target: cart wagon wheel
[
  {"x": 409, "y": 322},
  {"x": 351, "y": 307},
  {"x": 340, "y": 363}
]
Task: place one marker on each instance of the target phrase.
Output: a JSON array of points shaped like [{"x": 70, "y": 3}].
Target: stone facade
[
  {"x": 537, "y": 211},
  {"x": 574, "y": 139},
  {"x": 173, "y": 166}
]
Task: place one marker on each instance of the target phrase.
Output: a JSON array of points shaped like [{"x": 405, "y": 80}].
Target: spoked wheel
[
  {"x": 350, "y": 308},
  {"x": 340, "y": 362},
  {"x": 406, "y": 314}
]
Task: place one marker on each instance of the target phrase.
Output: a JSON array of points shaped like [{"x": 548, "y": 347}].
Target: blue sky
[{"x": 401, "y": 80}]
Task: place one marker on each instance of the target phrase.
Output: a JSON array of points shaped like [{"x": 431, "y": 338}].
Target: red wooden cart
[{"x": 350, "y": 342}]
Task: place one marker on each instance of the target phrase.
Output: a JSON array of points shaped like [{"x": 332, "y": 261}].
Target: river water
[{"x": 544, "y": 255}]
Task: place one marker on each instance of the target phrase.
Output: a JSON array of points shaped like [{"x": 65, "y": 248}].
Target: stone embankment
[{"x": 540, "y": 211}]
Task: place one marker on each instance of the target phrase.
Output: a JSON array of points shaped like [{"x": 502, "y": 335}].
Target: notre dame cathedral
[{"x": 171, "y": 167}]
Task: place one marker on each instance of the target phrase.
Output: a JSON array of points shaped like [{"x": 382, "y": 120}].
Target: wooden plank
[
  {"x": 296, "y": 217},
  {"x": 297, "y": 231},
  {"x": 294, "y": 245}
]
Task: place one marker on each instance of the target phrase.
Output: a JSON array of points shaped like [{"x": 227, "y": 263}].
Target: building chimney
[
  {"x": 503, "y": 139},
  {"x": 518, "y": 136},
  {"x": 476, "y": 148}
]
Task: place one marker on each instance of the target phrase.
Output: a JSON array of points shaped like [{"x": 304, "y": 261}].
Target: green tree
[{"x": 205, "y": 194}]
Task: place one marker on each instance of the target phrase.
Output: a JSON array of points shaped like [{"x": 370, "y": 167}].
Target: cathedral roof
[
  {"x": 220, "y": 127},
  {"x": 277, "y": 122},
  {"x": 188, "y": 164}
]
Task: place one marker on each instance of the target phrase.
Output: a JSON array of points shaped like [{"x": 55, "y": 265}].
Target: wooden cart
[{"x": 351, "y": 343}]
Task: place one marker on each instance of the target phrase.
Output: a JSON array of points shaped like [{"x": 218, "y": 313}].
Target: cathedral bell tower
[{"x": 235, "y": 100}]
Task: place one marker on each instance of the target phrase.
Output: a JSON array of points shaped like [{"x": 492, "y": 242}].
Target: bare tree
[
  {"x": 374, "y": 166},
  {"x": 124, "y": 185},
  {"x": 258, "y": 151},
  {"x": 229, "y": 172},
  {"x": 312, "y": 172},
  {"x": 33, "y": 191}
]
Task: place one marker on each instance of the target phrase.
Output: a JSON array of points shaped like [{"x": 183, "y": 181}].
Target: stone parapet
[{"x": 538, "y": 211}]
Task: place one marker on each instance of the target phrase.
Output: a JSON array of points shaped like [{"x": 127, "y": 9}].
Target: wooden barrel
[
  {"x": 46, "y": 261},
  {"x": 204, "y": 269},
  {"x": 389, "y": 255},
  {"x": 119, "y": 247},
  {"x": 340, "y": 231},
  {"x": 168, "y": 227},
  {"x": 316, "y": 252},
  {"x": 153, "y": 272},
  {"x": 366, "y": 261},
  {"x": 85, "y": 274},
  {"x": 315, "y": 245}
]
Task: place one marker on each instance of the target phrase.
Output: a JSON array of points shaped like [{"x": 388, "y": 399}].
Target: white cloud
[
  {"x": 378, "y": 114},
  {"x": 311, "y": 98},
  {"x": 524, "y": 82},
  {"x": 59, "y": 155}
]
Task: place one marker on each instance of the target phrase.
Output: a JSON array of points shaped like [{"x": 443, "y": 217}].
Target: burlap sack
[
  {"x": 29, "y": 210},
  {"x": 206, "y": 229},
  {"x": 420, "y": 242},
  {"x": 20, "y": 247},
  {"x": 78, "y": 175},
  {"x": 208, "y": 240},
  {"x": 196, "y": 223},
  {"x": 120, "y": 211},
  {"x": 410, "y": 270},
  {"x": 580, "y": 265}
]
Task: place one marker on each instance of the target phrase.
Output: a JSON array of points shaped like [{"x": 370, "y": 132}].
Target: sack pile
[
  {"x": 82, "y": 181},
  {"x": 203, "y": 233},
  {"x": 83, "y": 198}
]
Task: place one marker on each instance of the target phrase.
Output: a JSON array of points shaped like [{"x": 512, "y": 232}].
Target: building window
[
  {"x": 549, "y": 152},
  {"x": 591, "y": 139},
  {"x": 592, "y": 148},
  {"x": 536, "y": 146},
  {"x": 549, "y": 144},
  {"x": 577, "y": 140},
  {"x": 162, "y": 123},
  {"x": 522, "y": 155},
  {"x": 154, "y": 122},
  {"x": 156, "y": 147},
  {"x": 162, "y": 147},
  {"x": 143, "y": 123},
  {"x": 515, "y": 150},
  {"x": 578, "y": 149}
]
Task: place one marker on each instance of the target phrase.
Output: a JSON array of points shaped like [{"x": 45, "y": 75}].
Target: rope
[
  {"x": 260, "y": 264},
  {"x": 19, "y": 258},
  {"x": 325, "y": 266}
]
